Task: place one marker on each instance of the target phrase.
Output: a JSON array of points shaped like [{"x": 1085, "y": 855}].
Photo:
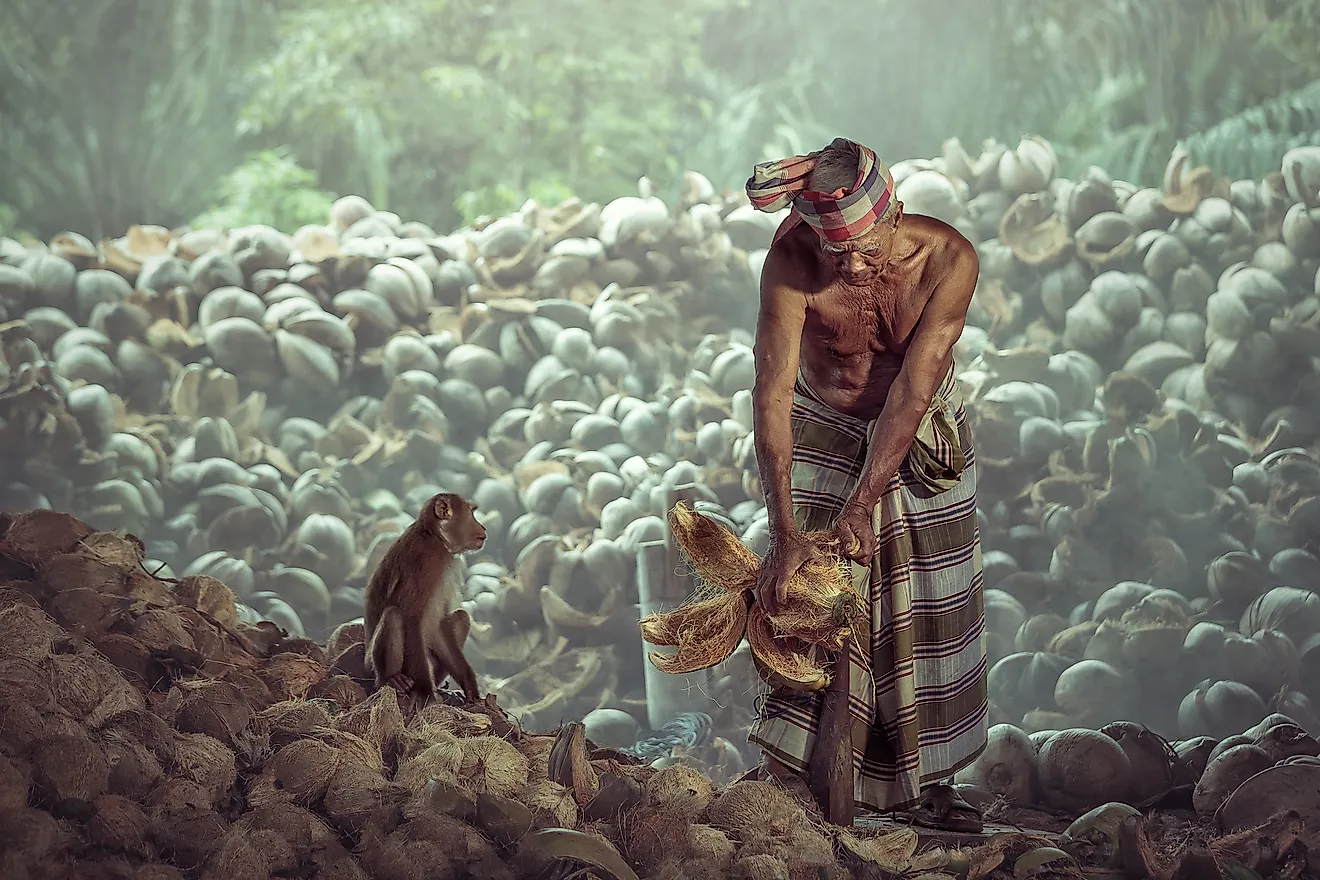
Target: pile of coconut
[{"x": 147, "y": 733}]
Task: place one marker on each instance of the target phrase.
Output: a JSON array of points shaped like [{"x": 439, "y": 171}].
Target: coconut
[
  {"x": 134, "y": 770},
  {"x": 441, "y": 760},
  {"x": 1224, "y": 773},
  {"x": 759, "y": 867},
  {"x": 492, "y": 766},
  {"x": 44, "y": 837},
  {"x": 28, "y": 632},
  {"x": 289, "y": 720},
  {"x": 303, "y": 768},
  {"x": 537, "y": 751},
  {"x": 355, "y": 793},
  {"x": 1286, "y": 740},
  {"x": 15, "y": 782},
  {"x": 290, "y": 676},
  {"x": 339, "y": 689},
  {"x": 207, "y": 762},
  {"x": 187, "y": 833},
  {"x": 161, "y": 630},
  {"x": 1149, "y": 756},
  {"x": 1081, "y": 769},
  {"x": 751, "y": 806},
  {"x": 651, "y": 836},
  {"x": 249, "y": 853},
  {"x": 352, "y": 749},
  {"x": 156, "y": 872},
  {"x": 1091, "y": 683},
  {"x": 215, "y": 708},
  {"x": 70, "y": 767},
  {"x": 551, "y": 803},
  {"x": 680, "y": 786},
  {"x": 119, "y": 824},
  {"x": 255, "y": 690},
  {"x": 128, "y": 655},
  {"x": 146, "y": 728},
  {"x": 378, "y": 720},
  {"x": 1006, "y": 767},
  {"x": 459, "y": 722},
  {"x": 710, "y": 846},
  {"x": 345, "y": 636}
]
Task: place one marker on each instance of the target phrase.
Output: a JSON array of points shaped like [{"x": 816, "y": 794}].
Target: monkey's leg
[
  {"x": 387, "y": 651},
  {"x": 447, "y": 649}
]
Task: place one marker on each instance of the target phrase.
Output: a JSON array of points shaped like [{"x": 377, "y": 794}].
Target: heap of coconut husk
[{"x": 147, "y": 732}]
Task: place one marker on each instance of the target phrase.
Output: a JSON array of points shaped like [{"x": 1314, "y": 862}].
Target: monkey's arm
[{"x": 447, "y": 650}]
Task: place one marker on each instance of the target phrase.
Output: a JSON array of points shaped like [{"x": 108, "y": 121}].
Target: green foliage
[
  {"x": 270, "y": 188},
  {"x": 416, "y": 102},
  {"x": 492, "y": 201},
  {"x": 120, "y": 111}
]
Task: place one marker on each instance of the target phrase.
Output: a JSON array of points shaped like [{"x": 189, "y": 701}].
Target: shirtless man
[{"x": 859, "y": 429}]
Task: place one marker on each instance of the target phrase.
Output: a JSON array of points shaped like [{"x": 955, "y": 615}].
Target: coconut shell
[
  {"x": 128, "y": 655},
  {"x": 653, "y": 835},
  {"x": 459, "y": 722},
  {"x": 207, "y": 638},
  {"x": 464, "y": 847},
  {"x": 682, "y": 787},
  {"x": 187, "y": 834},
  {"x": 207, "y": 762},
  {"x": 376, "y": 719},
  {"x": 290, "y": 676},
  {"x": 759, "y": 867},
  {"x": 752, "y": 806},
  {"x": 120, "y": 825},
  {"x": 44, "y": 837},
  {"x": 70, "y": 767},
  {"x": 552, "y": 804},
  {"x": 35, "y": 536},
  {"x": 303, "y": 769},
  {"x": 255, "y": 690},
  {"x": 442, "y": 760},
  {"x": 345, "y": 636},
  {"x": 352, "y": 749},
  {"x": 23, "y": 726},
  {"x": 339, "y": 689},
  {"x": 303, "y": 830},
  {"x": 355, "y": 794},
  {"x": 161, "y": 629},
  {"x": 245, "y": 853},
  {"x": 209, "y": 596},
  {"x": 537, "y": 751},
  {"x": 289, "y": 720},
  {"x": 492, "y": 766},
  {"x": 28, "y": 632},
  {"x": 1082, "y": 769},
  {"x": 134, "y": 770},
  {"x": 215, "y": 708},
  {"x": 148, "y": 729},
  {"x": 15, "y": 782},
  {"x": 90, "y": 688}
]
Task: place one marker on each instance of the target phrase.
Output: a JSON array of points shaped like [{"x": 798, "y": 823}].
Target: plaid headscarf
[{"x": 838, "y": 216}]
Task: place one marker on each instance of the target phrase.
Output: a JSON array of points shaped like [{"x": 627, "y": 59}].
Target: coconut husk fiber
[
  {"x": 171, "y": 741},
  {"x": 820, "y": 614}
]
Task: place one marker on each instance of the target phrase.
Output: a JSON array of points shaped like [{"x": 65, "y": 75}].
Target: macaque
[{"x": 414, "y": 629}]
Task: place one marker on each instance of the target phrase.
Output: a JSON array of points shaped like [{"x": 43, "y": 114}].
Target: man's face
[{"x": 863, "y": 259}]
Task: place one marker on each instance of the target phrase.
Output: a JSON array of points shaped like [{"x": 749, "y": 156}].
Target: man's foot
[{"x": 942, "y": 808}]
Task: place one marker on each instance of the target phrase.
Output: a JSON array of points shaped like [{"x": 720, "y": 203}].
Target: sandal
[{"x": 942, "y": 808}]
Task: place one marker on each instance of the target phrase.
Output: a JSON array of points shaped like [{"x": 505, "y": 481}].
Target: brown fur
[{"x": 414, "y": 632}]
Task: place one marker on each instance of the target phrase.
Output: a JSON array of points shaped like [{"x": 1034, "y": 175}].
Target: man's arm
[
  {"x": 926, "y": 361},
  {"x": 779, "y": 324}
]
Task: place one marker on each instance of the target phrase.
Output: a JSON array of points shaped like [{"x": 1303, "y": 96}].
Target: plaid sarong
[
  {"x": 837, "y": 216},
  {"x": 919, "y": 701}
]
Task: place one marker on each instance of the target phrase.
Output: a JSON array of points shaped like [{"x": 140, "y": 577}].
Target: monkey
[{"x": 413, "y": 626}]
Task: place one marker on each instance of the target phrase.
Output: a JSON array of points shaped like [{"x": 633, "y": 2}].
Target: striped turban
[{"x": 838, "y": 216}]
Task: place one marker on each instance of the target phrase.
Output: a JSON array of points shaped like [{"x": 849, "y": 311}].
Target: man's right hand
[{"x": 789, "y": 550}]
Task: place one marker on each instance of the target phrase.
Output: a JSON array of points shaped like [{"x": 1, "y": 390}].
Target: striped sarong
[{"x": 919, "y": 701}]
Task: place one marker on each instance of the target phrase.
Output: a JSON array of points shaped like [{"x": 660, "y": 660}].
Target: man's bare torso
[{"x": 855, "y": 337}]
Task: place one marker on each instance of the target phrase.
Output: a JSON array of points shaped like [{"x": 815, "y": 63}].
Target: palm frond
[{"x": 1249, "y": 144}]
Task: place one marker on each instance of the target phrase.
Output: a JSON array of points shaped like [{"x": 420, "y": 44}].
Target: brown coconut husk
[
  {"x": 536, "y": 749},
  {"x": 750, "y": 807},
  {"x": 492, "y": 766},
  {"x": 129, "y": 656},
  {"x": 187, "y": 834},
  {"x": 44, "y": 837},
  {"x": 806, "y": 852},
  {"x": 459, "y": 722},
  {"x": 345, "y": 636},
  {"x": 290, "y": 676},
  {"x": 759, "y": 867},
  {"x": 289, "y": 720},
  {"x": 378, "y": 720},
  {"x": 156, "y": 872},
  {"x": 441, "y": 760},
  {"x": 148, "y": 729},
  {"x": 353, "y": 749},
  {"x": 69, "y": 767},
  {"x": 303, "y": 769},
  {"x": 465, "y": 848},
  {"x": 35, "y": 536},
  {"x": 120, "y": 825},
  {"x": 207, "y": 762},
  {"x": 160, "y": 629},
  {"x": 28, "y": 632},
  {"x": 209, "y": 596},
  {"x": 300, "y": 645},
  {"x": 339, "y": 689},
  {"x": 244, "y": 853},
  {"x": 215, "y": 708},
  {"x": 654, "y": 835},
  {"x": 134, "y": 770},
  {"x": 356, "y": 794},
  {"x": 15, "y": 782},
  {"x": 255, "y": 690},
  {"x": 302, "y": 829},
  {"x": 90, "y": 688},
  {"x": 682, "y": 787},
  {"x": 552, "y": 804}
]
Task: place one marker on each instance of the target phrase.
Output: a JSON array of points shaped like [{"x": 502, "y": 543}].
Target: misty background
[{"x": 228, "y": 112}]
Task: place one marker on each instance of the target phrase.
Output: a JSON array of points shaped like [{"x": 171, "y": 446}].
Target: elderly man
[{"x": 860, "y": 429}]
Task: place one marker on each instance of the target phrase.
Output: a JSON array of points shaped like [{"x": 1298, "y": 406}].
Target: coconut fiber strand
[{"x": 818, "y": 613}]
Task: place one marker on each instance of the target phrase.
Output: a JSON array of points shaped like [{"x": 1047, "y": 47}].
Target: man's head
[
  {"x": 860, "y": 259},
  {"x": 846, "y": 194}
]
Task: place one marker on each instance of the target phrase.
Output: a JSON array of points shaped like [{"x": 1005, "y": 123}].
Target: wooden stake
[{"x": 830, "y": 771}]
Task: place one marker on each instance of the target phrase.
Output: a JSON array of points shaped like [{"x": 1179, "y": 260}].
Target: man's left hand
[{"x": 856, "y": 534}]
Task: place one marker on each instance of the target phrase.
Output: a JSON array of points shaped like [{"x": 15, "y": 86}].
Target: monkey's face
[{"x": 456, "y": 524}]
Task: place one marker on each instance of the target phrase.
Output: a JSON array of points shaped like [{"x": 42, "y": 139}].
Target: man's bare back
[{"x": 855, "y": 336}]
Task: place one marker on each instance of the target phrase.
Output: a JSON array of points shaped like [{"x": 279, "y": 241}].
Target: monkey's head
[{"x": 451, "y": 518}]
